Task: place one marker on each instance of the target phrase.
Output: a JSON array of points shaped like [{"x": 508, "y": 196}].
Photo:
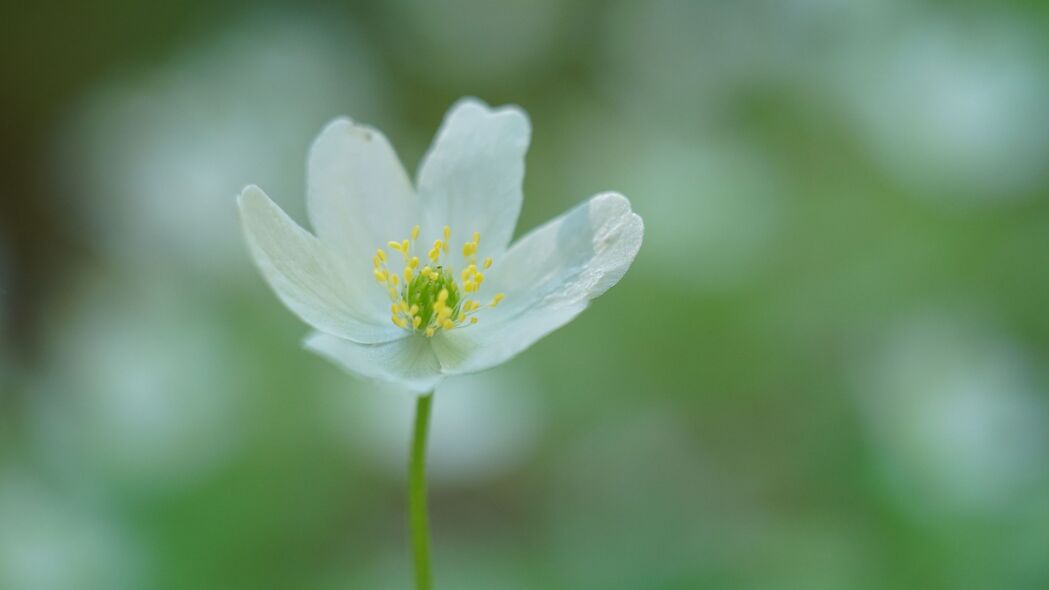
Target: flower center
[{"x": 431, "y": 298}]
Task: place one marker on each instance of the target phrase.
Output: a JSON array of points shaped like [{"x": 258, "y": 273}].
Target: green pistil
[{"x": 423, "y": 291}]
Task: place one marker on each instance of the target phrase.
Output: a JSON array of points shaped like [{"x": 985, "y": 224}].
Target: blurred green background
[{"x": 826, "y": 369}]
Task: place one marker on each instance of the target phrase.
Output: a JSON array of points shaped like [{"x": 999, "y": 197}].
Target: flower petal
[
  {"x": 304, "y": 274},
  {"x": 359, "y": 196},
  {"x": 471, "y": 177},
  {"x": 549, "y": 276},
  {"x": 409, "y": 362}
]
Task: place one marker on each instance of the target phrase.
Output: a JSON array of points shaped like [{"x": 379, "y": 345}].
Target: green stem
[{"x": 417, "y": 512}]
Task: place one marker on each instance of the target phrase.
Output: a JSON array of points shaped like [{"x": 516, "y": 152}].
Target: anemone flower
[{"x": 413, "y": 284}]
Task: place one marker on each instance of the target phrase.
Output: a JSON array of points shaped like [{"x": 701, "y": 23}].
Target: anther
[{"x": 443, "y": 297}]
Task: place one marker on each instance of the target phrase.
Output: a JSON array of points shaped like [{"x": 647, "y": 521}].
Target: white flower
[{"x": 410, "y": 285}]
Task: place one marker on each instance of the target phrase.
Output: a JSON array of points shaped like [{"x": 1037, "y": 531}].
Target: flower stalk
[{"x": 418, "y": 516}]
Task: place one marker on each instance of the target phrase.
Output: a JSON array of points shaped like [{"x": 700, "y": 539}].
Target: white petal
[
  {"x": 409, "y": 362},
  {"x": 358, "y": 196},
  {"x": 549, "y": 277},
  {"x": 471, "y": 177},
  {"x": 302, "y": 272}
]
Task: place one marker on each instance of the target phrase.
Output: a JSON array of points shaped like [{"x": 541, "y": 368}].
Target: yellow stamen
[{"x": 442, "y": 289}]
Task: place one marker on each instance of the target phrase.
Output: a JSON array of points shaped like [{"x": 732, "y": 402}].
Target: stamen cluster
[{"x": 431, "y": 298}]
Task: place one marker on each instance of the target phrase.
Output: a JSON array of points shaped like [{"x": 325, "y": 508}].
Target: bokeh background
[{"x": 827, "y": 368}]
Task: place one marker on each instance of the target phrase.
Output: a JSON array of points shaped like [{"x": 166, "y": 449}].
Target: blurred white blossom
[
  {"x": 483, "y": 426},
  {"x": 954, "y": 108},
  {"x": 718, "y": 214},
  {"x": 714, "y": 206},
  {"x": 154, "y": 159},
  {"x": 51, "y": 542},
  {"x": 141, "y": 388},
  {"x": 953, "y": 407}
]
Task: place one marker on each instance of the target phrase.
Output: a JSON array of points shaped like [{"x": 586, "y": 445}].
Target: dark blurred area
[{"x": 826, "y": 369}]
